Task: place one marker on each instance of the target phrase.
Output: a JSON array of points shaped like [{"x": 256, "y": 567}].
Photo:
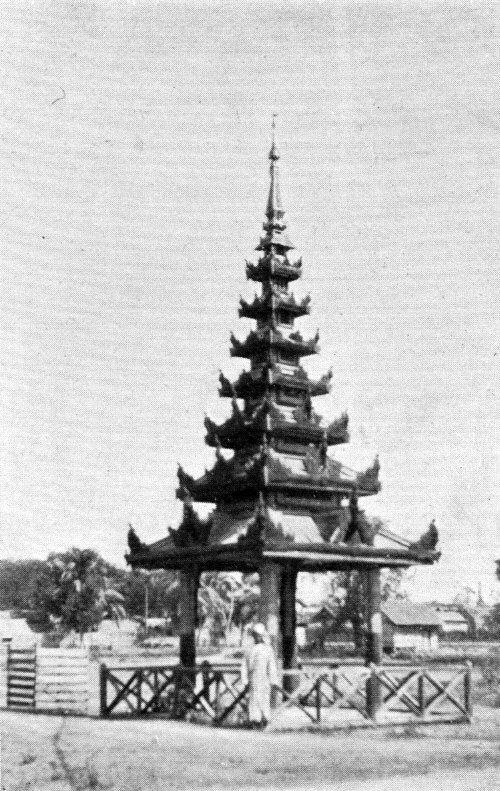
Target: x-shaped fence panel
[
  {"x": 447, "y": 694},
  {"x": 316, "y": 693},
  {"x": 137, "y": 690},
  {"x": 424, "y": 694},
  {"x": 179, "y": 692}
]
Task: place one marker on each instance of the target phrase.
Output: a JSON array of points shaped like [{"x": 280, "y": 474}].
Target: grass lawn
[{"x": 61, "y": 753}]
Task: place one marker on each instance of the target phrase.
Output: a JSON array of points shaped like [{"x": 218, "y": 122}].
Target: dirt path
[
  {"x": 149, "y": 755},
  {"x": 463, "y": 780}
]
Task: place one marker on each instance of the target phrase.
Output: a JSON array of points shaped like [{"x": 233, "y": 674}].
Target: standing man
[{"x": 260, "y": 672}]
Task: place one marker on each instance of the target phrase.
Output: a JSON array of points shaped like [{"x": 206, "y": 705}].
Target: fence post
[
  {"x": 103, "y": 689},
  {"x": 421, "y": 693},
  {"x": 139, "y": 690},
  {"x": 467, "y": 688},
  {"x": 373, "y": 693},
  {"x": 318, "y": 699}
]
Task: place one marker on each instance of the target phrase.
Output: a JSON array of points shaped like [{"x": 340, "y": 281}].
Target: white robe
[{"x": 260, "y": 672}]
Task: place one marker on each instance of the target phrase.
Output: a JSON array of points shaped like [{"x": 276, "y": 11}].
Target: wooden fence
[
  {"x": 322, "y": 696},
  {"x": 62, "y": 679},
  {"x": 48, "y": 679}
]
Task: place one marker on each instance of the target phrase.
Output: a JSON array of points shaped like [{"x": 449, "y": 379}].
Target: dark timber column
[
  {"x": 270, "y": 594},
  {"x": 288, "y": 625},
  {"x": 374, "y": 645},
  {"x": 188, "y": 581}
]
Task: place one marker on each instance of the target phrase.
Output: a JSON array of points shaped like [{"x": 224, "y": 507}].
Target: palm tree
[{"x": 75, "y": 594}]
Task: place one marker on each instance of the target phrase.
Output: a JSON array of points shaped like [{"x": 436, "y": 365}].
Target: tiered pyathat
[{"x": 279, "y": 444}]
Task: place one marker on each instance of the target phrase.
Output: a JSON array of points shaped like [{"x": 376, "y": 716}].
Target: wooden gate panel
[
  {"x": 21, "y": 677},
  {"x": 62, "y": 679}
]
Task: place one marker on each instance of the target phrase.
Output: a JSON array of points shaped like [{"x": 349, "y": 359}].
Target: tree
[
  {"x": 492, "y": 622},
  {"x": 18, "y": 579},
  {"x": 226, "y": 600},
  {"x": 73, "y": 593},
  {"x": 391, "y": 584},
  {"x": 159, "y": 584},
  {"x": 347, "y": 600}
]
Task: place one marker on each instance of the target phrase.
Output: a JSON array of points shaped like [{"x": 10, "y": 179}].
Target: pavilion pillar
[
  {"x": 188, "y": 582},
  {"x": 269, "y": 610},
  {"x": 374, "y": 638},
  {"x": 288, "y": 625}
]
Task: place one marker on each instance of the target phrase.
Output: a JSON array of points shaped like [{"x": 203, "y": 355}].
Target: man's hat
[{"x": 260, "y": 629}]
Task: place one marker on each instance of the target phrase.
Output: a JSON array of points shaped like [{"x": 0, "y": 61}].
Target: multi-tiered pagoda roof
[
  {"x": 274, "y": 481},
  {"x": 279, "y": 441}
]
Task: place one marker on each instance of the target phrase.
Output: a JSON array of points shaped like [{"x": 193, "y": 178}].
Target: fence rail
[{"x": 323, "y": 696}]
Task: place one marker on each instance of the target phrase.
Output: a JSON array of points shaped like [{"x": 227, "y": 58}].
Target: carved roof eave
[
  {"x": 232, "y": 437},
  {"x": 163, "y": 554},
  {"x": 255, "y": 342},
  {"x": 242, "y": 428},
  {"x": 275, "y": 238},
  {"x": 210, "y": 487},
  {"x": 266, "y": 268},
  {"x": 339, "y": 487},
  {"x": 263, "y": 306},
  {"x": 248, "y": 385},
  {"x": 224, "y": 476}
]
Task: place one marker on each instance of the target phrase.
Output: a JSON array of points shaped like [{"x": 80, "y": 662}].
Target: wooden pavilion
[{"x": 282, "y": 504}]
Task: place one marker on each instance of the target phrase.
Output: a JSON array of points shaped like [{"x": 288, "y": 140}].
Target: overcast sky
[{"x": 134, "y": 141}]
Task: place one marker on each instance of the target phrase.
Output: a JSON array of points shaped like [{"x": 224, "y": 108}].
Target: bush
[{"x": 489, "y": 667}]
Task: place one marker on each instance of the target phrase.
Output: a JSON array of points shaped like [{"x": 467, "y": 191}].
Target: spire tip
[{"x": 274, "y": 153}]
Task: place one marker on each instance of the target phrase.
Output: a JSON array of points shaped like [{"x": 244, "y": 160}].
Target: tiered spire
[{"x": 279, "y": 442}]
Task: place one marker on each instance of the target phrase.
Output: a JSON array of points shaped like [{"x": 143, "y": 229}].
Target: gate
[{"x": 21, "y": 677}]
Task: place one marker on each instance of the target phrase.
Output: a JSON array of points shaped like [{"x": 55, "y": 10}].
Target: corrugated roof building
[
  {"x": 452, "y": 621},
  {"x": 411, "y": 626}
]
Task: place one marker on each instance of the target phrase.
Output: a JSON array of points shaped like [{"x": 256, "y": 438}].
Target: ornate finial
[
  {"x": 274, "y": 209},
  {"x": 274, "y": 154},
  {"x": 275, "y": 225}
]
